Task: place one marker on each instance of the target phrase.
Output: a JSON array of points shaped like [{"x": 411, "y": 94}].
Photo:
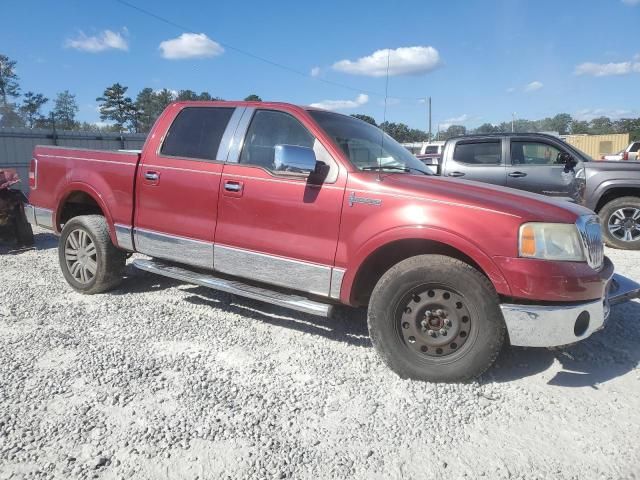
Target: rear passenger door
[
  {"x": 178, "y": 183},
  {"x": 476, "y": 159}
]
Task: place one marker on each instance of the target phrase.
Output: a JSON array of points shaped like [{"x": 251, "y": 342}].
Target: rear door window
[
  {"x": 635, "y": 147},
  {"x": 478, "y": 153},
  {"x": 196, "y": 133}
]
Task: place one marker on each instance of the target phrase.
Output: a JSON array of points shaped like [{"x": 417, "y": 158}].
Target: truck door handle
[
  {"x": 151, "y": 176},
  {"x": 517, "y": 174},
  {"x": 231, "y": 186},
  {"x": 456, "y": 174}
]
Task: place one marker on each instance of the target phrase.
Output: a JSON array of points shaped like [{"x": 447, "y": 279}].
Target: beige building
[{"x": 598, "y": 145}]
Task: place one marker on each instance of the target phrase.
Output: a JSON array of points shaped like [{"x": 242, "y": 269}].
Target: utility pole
[
  {"x": 513, "y": 120},
  {"x": 429, "y": 107}
]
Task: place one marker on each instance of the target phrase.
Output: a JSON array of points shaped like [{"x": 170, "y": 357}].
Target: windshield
[{"x": 366, "y": 146}]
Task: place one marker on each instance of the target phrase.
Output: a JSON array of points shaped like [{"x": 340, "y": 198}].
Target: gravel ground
[{"x": 166, "y": 380}]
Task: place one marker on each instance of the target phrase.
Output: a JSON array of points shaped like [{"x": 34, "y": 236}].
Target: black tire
[
  {"x": 465, "y": 298},
  {"x": 625, "y": 206},
  {"x": 24, "y": 232},
  {"x": 108, "y": 261}
]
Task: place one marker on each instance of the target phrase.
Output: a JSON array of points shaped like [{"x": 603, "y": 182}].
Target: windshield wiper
[{"x": 394, "y": 167}]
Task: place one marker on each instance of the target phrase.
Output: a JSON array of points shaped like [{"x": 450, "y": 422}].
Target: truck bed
[{"x": 106, "y": 175}]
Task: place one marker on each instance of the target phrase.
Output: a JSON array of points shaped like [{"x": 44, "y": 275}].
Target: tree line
[
  {"x": 124, "y": 113},
  {"x": 562, "y": 123}
]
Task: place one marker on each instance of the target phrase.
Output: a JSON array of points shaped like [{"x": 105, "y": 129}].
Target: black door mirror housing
[{"x": 568, "y": 160}]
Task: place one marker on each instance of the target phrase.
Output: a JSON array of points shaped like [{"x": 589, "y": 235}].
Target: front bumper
[
  {"x": 555, "y": 325},
  {"x": 37, "y": 216}
]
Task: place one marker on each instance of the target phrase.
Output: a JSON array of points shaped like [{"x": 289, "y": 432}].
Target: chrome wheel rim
[
  {"x": 435, "y": 322},
  {"x": 81, "y": 256},
  {"x": 624, "y": 224}
]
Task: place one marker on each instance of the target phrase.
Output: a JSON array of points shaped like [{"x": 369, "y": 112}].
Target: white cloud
[
  {"x": 511, "y": 89},
  {"x": 605, "y": 69},
  {"x": 459, "y": 120},
  {"x": 631, "y": 3},
  {"x": 402, "y": 61},
  {"x": 533, "y": 86},
  {"x": 315, "y": 71},
  {"x": 589, "y": 114},
  {"x": 106, "y": 40},
  {"x": 190, "y": 45},
  {"x": 342, "y": 104}
]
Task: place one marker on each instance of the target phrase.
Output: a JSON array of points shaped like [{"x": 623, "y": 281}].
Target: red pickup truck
[{"x": 309, "y": 209}]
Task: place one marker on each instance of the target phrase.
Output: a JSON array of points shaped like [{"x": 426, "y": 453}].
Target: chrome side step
[{"x": 295, "y": 302}]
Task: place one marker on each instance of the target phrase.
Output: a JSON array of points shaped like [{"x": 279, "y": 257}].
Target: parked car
[
  {"x": 309, "y": 210},
  {"x": 430, "y": 154},
  {"x": 629, "y": 153},
  {"x": 545, "y": 164}
]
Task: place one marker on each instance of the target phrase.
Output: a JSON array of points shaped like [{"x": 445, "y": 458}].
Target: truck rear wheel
[
  {"x": 89, "y": 261},
  {"x": 435, "y": 318},
  {"x": 621, "y": 223}
]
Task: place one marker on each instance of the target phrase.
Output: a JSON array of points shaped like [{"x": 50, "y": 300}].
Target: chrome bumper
[
  {"x": 555, "y": 325},
  {"x": 41, "y": 217}
]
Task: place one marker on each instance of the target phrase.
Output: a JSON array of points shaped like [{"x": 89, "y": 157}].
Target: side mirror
[
  {"x": 568, "y": 160},
  {"x": 294, "y": 159}
]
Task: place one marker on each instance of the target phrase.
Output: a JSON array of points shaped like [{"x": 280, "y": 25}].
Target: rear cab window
[
  {"x": 196, "y": 133},
  {"x": 481, "y": 152}
]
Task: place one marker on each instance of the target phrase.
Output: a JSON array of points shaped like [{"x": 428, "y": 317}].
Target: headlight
[{"x": 551, "y": 241}]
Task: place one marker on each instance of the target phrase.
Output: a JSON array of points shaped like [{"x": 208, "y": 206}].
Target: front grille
[{"x": 591, "y": 234}]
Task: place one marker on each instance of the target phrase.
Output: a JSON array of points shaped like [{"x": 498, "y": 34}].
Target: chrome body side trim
[
  {"x": 29, "y": 211},
  {"x": 283, "y": 272},
  {"x": 337, "y": 274},
  {"x": 42, "y": 217},
  {"x": 124, "y": 237},
  {"x": 294, "y": 302},
  {"x": 171, "y": 247},
  {"x": 227, "y": 138},
  {"x": 238, "y": 137}
]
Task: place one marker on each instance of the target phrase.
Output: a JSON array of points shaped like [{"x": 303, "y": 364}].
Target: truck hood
[
  {"x": 613, "y": 165},
  {"x": 476, "y": 195}
]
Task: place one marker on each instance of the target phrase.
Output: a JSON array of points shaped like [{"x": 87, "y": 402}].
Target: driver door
[
  {"x": 535, "y": 167},
  {"x": 277, "y": 227}
]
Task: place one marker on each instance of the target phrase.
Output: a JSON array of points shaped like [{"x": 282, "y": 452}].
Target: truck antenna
[{"x": 384, "y": 115}]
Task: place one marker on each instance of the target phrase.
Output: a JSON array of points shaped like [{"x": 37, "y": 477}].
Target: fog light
[{"x": 582, "y": 323}]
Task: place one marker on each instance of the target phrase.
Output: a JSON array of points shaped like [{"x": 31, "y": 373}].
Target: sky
[{"x": 479, "y": 60}]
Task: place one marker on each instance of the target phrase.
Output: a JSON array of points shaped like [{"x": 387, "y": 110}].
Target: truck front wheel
[
  {"x": 435, "y": 318},
  {"x": 621, "y": 223},
  {"x": 89, "y": 261}
]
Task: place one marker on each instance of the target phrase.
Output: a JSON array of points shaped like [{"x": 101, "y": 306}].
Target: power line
[{"x": 281, "y": 66}]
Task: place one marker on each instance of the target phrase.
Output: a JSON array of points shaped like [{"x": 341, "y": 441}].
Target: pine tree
[
  {"x": 8, "y": 80},
  {"x": 118, "y": 108},
  {"x": 65, "y": 110},
  {"x": 31, "y": 109}
]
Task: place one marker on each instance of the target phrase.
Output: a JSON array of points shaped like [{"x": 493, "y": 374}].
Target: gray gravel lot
[{"x": 160, "y": 379}]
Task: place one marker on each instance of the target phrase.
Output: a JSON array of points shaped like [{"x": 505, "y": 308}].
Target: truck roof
[
  {"x": 506, "y": 134},
  {"x": 242, "y": 103}
]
